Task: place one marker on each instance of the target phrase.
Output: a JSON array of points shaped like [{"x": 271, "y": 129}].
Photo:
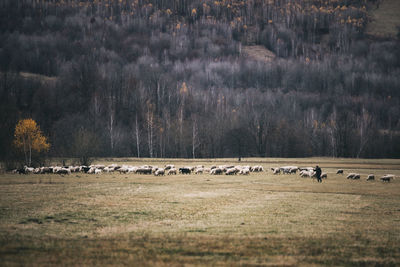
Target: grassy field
[
  {"x": 385, "y": 19},
  {"x": 260, "y": 219}
]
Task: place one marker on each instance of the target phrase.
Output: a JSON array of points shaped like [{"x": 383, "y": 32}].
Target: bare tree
[
  {"x": 195, "y": 137},
  {"x": 137, "y": 136},
  {"x": 150, "y": 128},
  {"x": 364, "y": 123}
]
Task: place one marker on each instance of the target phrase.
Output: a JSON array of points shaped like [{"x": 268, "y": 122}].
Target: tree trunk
[
  {"x": 137, "y": 138},
  {"x": 30, "y": 156},
  {"x": 26, "y": 156},
  {"x": 194, "y": 136}
]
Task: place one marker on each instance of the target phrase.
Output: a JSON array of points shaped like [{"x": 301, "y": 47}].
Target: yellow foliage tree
[{"x": 28, "y": 138}]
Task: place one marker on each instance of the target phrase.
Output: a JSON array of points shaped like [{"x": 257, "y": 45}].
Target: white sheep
[
  {"x": 370, "y": 177},
  {"x": 132, "y": 169},
  {"x": 289, "y": 169},
  {"x": 171, "y": 171},
  {"x": 199, "y": 170},
  {"x": 169, "y": 166},
  {"x": 307, "y": 173},
  {"x": 159, "y": 171},
  {"x": 276, "y": 170},
  {"x": 231, "y": 171},
  {"x": 56, "y": 169},
  {"x": 244, "y": 171},
  {"x": 257, "y": 168},
  {"x": 63, "y": 171}
]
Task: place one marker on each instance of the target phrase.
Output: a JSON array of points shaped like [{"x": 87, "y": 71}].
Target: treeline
[{"x": 169, "y": 79}]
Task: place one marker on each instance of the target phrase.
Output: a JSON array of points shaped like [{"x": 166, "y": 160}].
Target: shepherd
[{"x": 318, "y": 174}]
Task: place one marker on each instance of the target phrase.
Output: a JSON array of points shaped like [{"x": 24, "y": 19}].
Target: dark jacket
[{"x": 318, "y": 172}]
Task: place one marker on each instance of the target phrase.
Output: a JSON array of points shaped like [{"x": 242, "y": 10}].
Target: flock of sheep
[
  {"x": 310, "y": 172},
  {"x": 172, "y": 170},
  {"x": 145, "y": 169}
]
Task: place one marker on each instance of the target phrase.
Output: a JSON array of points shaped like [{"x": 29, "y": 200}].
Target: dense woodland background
[{"x": 172, "y": 78}]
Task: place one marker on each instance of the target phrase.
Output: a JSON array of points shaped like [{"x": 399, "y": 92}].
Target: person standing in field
[{"x": 318, "y": 173}]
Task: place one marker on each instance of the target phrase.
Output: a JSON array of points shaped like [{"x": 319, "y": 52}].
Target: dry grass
[
  {"x": 261, "y": 219},
  {"x": 38, "y": 77},
  {"x": 258, "y": 52},
  {"x": 385, "y": 19}
]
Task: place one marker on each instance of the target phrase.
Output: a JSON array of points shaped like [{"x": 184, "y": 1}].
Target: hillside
[
  {"x": 385, "y": 19},
  {"x": 201, "y": 78}
]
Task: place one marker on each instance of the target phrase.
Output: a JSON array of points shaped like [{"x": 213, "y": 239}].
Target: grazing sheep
[
  {"x": 144, "y": 170},
  {"x": 154, "y": 169},
  {"x": 191, "y": 168},
  {"x": 56, "y": 169},
  {"x": 289, "y": 169},
  {"x": 159, "y": 171},
  {"x": 309, "y": 174},
  {"x": 324, "y": 175},
  {"x": 44, "y": 170},
  {"x": 132, "y": 169},
  {"x": 339, "y": 171},
  {"x": 99, "y": 166},
  {"x": 306, "y": 169},
  {"x": 257, "y": 168},
  {"x": 171, "y": 171},
  {"x": 244, "y": 171},
  {"x": 356, "y": 176},
  {"x": 75, "y": 169},
  {"x": 216, "y": 171},
  {"x": 85, "y": 169},
  {"x": 231, "y": 171},
  {"x": 387, "y": 177},
  {"x": 21, "y": 171},
  {"x": 123, "y": 169},
  {"x": 28, "y": 169},
  {"x": 199, "y": 170},
  {"x": 63, "y": 171},
  {"x": 170, "y": 166},
  {"x": 351, "y": 175},
  {"x": 114, "y": 167},
  {"x": 223, "y": 168},
  {"x": 185, "y": 170},
  {"x": 108, "y": 169},
  {"x": 276, "y": 170},
  {"x": 97, "y": 171},
  {"x": 370, "y": 177}
]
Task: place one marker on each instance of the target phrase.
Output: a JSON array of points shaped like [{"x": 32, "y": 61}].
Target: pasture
[{"x": 259, "y": 219}]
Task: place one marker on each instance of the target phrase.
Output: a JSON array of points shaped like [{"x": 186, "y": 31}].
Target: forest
[{"x": 174, "y": 79}]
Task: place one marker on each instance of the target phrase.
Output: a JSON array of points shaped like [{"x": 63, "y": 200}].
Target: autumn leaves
[{"x": 29, "y": 138}]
